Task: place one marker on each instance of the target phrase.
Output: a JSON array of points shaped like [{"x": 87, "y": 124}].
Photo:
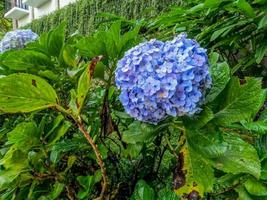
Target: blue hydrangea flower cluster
[
  {"x": 17, "y": 39},
  {"x": 158, "y": 79}
]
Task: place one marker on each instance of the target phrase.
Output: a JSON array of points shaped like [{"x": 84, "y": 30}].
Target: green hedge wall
[{"x": 84, "y": 15}]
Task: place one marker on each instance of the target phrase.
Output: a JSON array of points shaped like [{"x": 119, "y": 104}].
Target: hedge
[{"x": 84, "y": 15}]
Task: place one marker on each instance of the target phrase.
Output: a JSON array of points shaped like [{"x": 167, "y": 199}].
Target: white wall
[
  {"x": 26, "y": 19},
  {"x": 45, "y": 9},
  {"x": 63, "y": 3}
]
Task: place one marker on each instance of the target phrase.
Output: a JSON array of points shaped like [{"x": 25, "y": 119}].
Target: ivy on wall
[{"x": 84, "y": 15}]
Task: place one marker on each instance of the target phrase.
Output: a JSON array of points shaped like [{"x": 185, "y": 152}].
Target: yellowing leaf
[{"x": 25, "y": 93}]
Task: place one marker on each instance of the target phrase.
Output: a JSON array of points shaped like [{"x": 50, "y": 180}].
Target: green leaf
[
  {"x": 143, "y": 191},
  {"x": 259, "y": 127},
  {"x": 263, "y": 22},
  {"x": 264, "y": 169},
  {"x": 70, "y": 55},
  {"x": 57, "y": 190},
  {"x": 137, "y": 132},
  {"x": 22, "y": 60},
  {"x": 58, "y": 133},
  {"x": 211, "y": 3},
  {"x": 208, "y": 142},
  {"x": 242, "y": 193},
  {"x": 241, "y": 102},
  {"x": 54, "y": 194},
  {"x": 87, "y": 183},
  {"x": 55, "y": 40},
  {"x": 66, "y": 146},
  {"x": 260, "y": 53},
  {"x": 99, "y": 71},
  {"x": 71, "y": 161},
  {"x": 200, "y": 120},
  {"x": 24, "y": 136},
  {"x": 214, "y": 57},
  {"x": 240, "y": 157},
  {"x": 7, "y": 177},
  {"x": 133, "y": 150},
  {"x": 193, "y": 175},
  {"x": 48, "y": 74},
  {"x": 15, "y": 163},
  {"x": 263, "y": 115},
  {"x": 255, "y": 187},
  {"x": 83, "y": 88},
  {"x": 219, "y": 32},
  {"x": 246, "y": 7},
  {"x": 25, "y": 93},
  {"x": 220, "y": 74},
  {"x": 167, "y": 195}
]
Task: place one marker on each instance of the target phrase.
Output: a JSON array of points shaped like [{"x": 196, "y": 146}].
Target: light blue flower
[
  {"x": 159, "y": 79},
  {"x": 17, "y": 39}
]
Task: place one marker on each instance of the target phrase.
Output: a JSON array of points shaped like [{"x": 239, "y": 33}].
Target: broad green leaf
[
  {"x": 55, "y": 40},
  {"x": 193, "y": 175},
  {"x": 263, "y": 22},
  {"x": 245, "y": 7},
  {"x": 240, "y": 157},
  {"x": 137, "y": 132},
  {"x": 143, "y": 191},
  {"x": 259, "y": 127},
  {"x": 24, "y": 136},
  {"x": 255, "y": 187},
  {"x": 15, "y": 163},
  {"x": 208, "y": 142},
  {"x": 25, "y": 93},
  {"x": 241, "y": 101},
  {"x": 200, "y": 120},
  {"x": 22, "y": 60},
  {"x": 220, "y": 74}
]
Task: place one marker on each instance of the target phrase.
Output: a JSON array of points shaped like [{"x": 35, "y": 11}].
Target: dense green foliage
[
  {"x": 86, "y": 15},
  {"x": 5, "y": 25},
  {"x": 60, "y": 88}
]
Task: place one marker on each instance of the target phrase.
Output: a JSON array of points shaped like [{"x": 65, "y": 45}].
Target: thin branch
[{"x": 99, "y": 159}]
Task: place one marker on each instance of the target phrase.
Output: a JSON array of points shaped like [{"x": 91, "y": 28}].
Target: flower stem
[{"x": 98, "y": 157}]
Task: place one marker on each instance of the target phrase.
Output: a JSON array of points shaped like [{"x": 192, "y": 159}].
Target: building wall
[{"x": 45, "y": 9}]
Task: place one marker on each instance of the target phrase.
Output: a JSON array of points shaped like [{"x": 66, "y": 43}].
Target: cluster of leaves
[
  {"x": 234, "y": 28},
  {"x": 5, "y": 24},
  {"x": 59, "y": 88}
]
